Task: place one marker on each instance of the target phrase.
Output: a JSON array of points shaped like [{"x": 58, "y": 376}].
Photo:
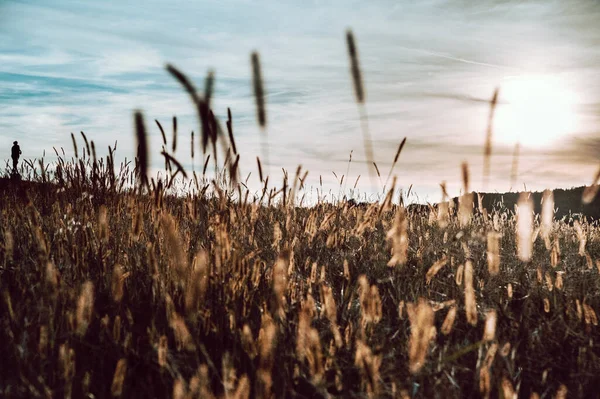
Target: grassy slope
[{"x": 242, "y": 245}]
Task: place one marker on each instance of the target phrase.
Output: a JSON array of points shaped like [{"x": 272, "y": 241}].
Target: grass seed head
[
  {"x": 590, "y": 192},
  {"x": 51, "y": 278},
  {"x": 116, "y": 333},
  {"x": 142, "y": 148},
  {"x": 267, "y": 342},
  {"x": 117, "y": 282},
  {"x": 314, "y": 355},
  {"x": 368, "y": 366},
  {"x": 398, "y": 236},
  {"x": 422, "y": 330},
  {"x": 470, "y": 301},
  {"x": 248, "y": 342},
  {"x": 259, "y": 93},
  {"x": 434, "y": 269},
  {"x": 163, "y": 351},
  {"x": 198, "y": 283},
  {"x": 460, "y": 272},
  {"x": 562, "y": 391},
  {"x": 329, "y": 304},
  {"x": 489, "y": 332},
  {"x": 355, "y": 68},
  {"x": 116, "y": 388},
  {"x": 449, "y": 320},
  {"x": 280, "y": 282},
  {"x": 465, "y": 207},
  {"x": 443, "y": 214},
  {"x": 547, "y": 216},
  {"x": 370, "y": 301},
  {"x": 493, "y": 253},
  {"x": 43, "y": 341},
  {"x": 546, "y": 305},
  {"x": 174, "y": 247},
  {"x": 525, "y": 227},
  {"x": 508, "y": 391},
  {"x": 85, "y": 307}
]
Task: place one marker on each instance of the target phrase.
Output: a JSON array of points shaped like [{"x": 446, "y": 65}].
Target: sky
[{"x": 429, "y": 68}]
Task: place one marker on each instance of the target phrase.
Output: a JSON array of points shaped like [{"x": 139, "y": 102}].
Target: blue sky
[{"x": 429, "y": 67}]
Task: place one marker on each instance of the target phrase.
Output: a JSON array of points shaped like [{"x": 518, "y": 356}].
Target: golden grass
[
  {"x": 487, "y": 148},
  {"x": 221, "y": 292},
  {"x": 142, "y": 149}
]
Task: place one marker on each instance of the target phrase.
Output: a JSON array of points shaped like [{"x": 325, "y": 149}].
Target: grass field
[
  {"x": 135, "y": 293},
  {"x": 110, "y": 286}
]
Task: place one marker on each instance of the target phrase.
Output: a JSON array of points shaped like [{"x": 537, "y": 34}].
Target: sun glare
[{"x": 534, "y": 110}]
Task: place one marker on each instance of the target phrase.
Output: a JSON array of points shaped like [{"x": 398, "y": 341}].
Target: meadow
[{"x": 112, "y": 286}]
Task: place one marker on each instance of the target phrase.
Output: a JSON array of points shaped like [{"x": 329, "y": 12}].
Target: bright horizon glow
[{"x": 535, "y": 110}]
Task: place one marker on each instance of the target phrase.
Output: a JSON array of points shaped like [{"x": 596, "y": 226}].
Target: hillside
[{"x": 566, "y": 202}]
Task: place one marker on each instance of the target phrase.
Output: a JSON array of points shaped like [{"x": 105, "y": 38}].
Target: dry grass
[{"x": 114, "y": 292}]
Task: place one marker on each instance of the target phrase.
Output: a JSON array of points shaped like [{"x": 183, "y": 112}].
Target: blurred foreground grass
[{"x": 107, "y": 291}]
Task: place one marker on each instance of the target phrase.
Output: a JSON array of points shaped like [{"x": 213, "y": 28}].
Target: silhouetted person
[{"x": 15, "y": 154}]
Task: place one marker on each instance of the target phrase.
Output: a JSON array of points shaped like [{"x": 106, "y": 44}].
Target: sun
[{"x": 534, "y": 110}]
